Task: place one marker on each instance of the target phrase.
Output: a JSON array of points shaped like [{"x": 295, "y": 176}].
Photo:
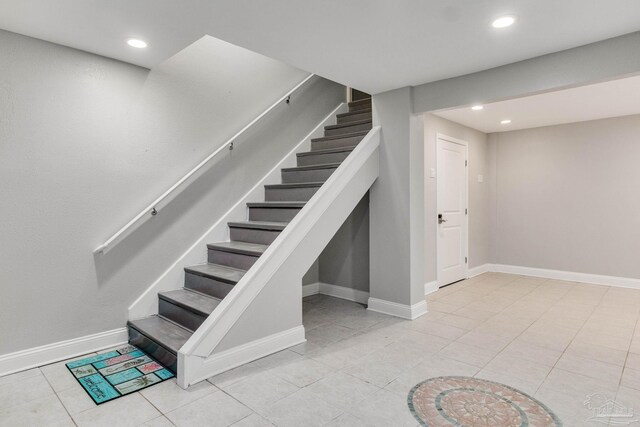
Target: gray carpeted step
[
  {"x": 263, "y": 232},
  {"x": 338, "y": 141},
  {"x": 235, "y": 254},
  {"x": 274, "y": 211},
  {"x": 159, "y": 337},
  {"x": 186, "y": 307},
  {"x": 291, "y": 192},
  {"x": 310, "y": 173},
  {"x": 363, "y": 104},
  {"x": 351, "y": 127},
  {"x": 331, "y": 155},
  {"x": 212, "y": 279},
  {"x": 354, "y": 116}
]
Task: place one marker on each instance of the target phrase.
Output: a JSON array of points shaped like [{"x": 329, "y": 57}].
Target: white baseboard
[
  {"x": 341, "y": 292},
  {"x": 344, "y": 293},
  {"x": 430, "y": 287},
  {"x": 595, "y": 279},
  {"x": 245, "y": 353},
  {"x": 476, "y": 271},
  {"x": 50, "y": 353},
  {"x": 409, "y": 312},
  {"x": 311, "y": 289}
]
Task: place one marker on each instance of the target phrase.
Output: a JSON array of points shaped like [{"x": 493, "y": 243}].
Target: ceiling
[
  {"x": 598, "y": 101},
  {"x": 373, "y": 45}
]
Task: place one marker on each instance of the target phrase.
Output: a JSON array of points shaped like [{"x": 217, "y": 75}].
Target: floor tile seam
[
  {"x": 176, "y": 408},
  {"x": 518, "y": 336},
  {"x": 624, "y": 367},
  {"x": 564, "y": 351},
  {"x": 259, "y": 411},
  {"x": 365, "y": 381},
  {"x": 58, "y": 398},
  {"x": 253, "y": 411}
]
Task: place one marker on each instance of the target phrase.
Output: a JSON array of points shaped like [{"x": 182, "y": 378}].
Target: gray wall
[
  {"x": 566, "y": 197},
  {"x": 396, "y": 209},
  {"x": 87, "y": 142},
  {"x": 345, "y": 260},
  {"x": 479, "y": 216}
]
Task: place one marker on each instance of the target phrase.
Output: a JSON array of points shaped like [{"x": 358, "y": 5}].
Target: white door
[{"x": 452, "y": 210}]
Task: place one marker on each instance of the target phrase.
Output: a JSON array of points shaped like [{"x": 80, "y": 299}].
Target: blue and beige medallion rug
[
  {"x": 465, "y": 401},
  {"x": 116, "y": 373}
]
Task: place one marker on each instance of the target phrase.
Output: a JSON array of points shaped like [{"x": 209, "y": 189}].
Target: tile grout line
[
  {"x": 487, "y": 320},
  {"x": 624, "y": 367},
  {"x": 58, "y": 397}
]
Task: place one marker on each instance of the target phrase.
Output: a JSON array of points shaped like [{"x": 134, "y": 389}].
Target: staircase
[{"x": 182, "y": 311}]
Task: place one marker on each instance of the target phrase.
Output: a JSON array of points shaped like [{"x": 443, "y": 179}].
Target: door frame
[{"x": 465, "y": 241}]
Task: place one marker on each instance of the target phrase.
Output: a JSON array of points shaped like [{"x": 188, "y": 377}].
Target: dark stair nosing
[
  {"x": 276, "y": 204},
  {"x": 295, "y": 185},
  {"x": 243, "y": 248},
  {"x": 359, "y": 102},
  {"x": 348, "y": 124},
  {"x": 259, "y": 225},
  {"x": 146, "y": 326},
  {"x": 312, "y": 167},
  {"x": 194, "y": 301},
  {"x": 355, "y": 113},
  {"x": 326, "y": 151},
  {"x": 217, "y": 272},
  {"x": 341, "y": 136}
]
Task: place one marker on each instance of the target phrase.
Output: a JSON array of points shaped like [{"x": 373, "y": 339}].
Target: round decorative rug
[{"x": 473, "y": 402}]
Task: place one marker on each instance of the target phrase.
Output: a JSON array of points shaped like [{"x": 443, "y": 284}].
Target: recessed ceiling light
[
  {"x": 137, "y": 43},
  {"x": 504, "y": 21},
  {"x": 477, "y": 108},
  {"x": 505, "y": 122}
]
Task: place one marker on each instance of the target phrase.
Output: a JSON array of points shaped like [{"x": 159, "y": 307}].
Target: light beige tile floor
[{"x": 557, "y": 341}]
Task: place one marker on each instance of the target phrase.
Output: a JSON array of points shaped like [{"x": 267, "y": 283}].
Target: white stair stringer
[{"x": 263, "y": 312}]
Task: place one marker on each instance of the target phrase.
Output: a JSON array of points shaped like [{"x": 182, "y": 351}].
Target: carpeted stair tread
[
  {"x": 349, "y": 124},
  {"x": 326, "y": 151},
  {"x": 253, "y": 249},
  {"x": 341, "y": 136},
  {"x": 191, "y": 300},
  {"x": 296, "y": 185},
  {"x": 163, "y": 331},
  {"x": 276, "y": 204},
  {"x": 259, "y": 225},
  {"x": 219, "y": 272},
  {"x": 312, "y": 167},
  {"x": 354, "y": 113}
]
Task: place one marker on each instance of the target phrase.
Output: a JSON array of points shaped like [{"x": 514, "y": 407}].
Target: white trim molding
[
  {"x": 310, "y": 289},
  {"x": 336, "y": 291},
  {"x": 431, "y": 287},
  {"x": 595, "y": 279},
  {"x": 476, "y": 271},
  {"x": 245, "y": 353},
  {"x": 403, "y": 311},
  {"x": 50, "y": 353}
]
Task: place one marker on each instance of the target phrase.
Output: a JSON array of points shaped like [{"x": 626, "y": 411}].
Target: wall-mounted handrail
[{"x": 176, "y": 188}]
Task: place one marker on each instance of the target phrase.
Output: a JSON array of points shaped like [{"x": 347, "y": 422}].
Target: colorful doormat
[
  {"x": 116, "y": 373},
  {"x": 465, "y": 401}
]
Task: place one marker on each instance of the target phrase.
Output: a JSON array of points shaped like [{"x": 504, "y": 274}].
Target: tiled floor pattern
[{"x": 556, "y": 341}]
